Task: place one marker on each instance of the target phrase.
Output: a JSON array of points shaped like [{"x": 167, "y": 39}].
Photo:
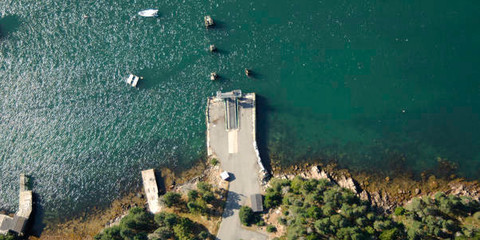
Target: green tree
[
  {"x": 137, "y": 222},
  {"x": 314, "y": 212},
  {"x": 348, "y": 233},
  {"x": 338, "y": 221},
  {"x": 328, "y": 209},
  {"x": 322, "y": 226},
  {"x": 246, "y": 215},
  {"x": 172, "y": 199}
]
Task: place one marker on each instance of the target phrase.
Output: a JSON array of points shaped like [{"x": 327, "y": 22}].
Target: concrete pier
[
  {"x": 25, "y": 206},
  {"x": 151, "y": 190},
  {"x": 231, "y": 130}
]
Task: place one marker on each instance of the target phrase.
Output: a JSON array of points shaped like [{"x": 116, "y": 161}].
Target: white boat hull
[
  {"x": 149, "y": 13},
  {"x": 132, "y": 80}
]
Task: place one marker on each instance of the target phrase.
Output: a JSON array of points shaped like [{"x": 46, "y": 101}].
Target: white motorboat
[
  {"x": 149, "y": 13},
  {"x": 132, "y": 80}
]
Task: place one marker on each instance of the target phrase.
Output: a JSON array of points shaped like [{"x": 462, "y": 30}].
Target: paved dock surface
[
  {"x": 235, "y": 151},
  {"x": 151, "y": 190}
]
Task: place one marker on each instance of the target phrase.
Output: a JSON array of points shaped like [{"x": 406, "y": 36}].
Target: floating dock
[{"x": 151, "y": 190}]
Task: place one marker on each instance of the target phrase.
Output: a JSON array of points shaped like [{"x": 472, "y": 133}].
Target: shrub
[
  {"x": 314, "y": 212},
  {"x": 214, "y": 161},
  {"x": 271, "y": 228},
  {"x": 260, "y": 223},
  {"x": 390, "y": 234},
  {"x": 135, "y": 225},
  {"x": 195, "y": 208},
  {"x": 172, "y": 199},
  {"x": 164, "y": 219},
  {"x": 184, "y": 229},
  {"x": 192, "y": 195},
  {"x": 370, "y": 230},
  {"x": 399, "y": 211},
  {"x": 322, "y": 226},
  {"x": 204, "y": 187},
  {"x": 246, "y": 215},
  {"x": 208, "y": 197},
  {"x": 476, "y": 215},
  {"x": 272, "y": 199},
  {"x": 309, "y": 186},
  {"x": 203, "y": 235},
  {"x": 112, "y": 233},
  {"x": 296, "y": 231},
  {"x": 163, "y": 233},
  {"x": 379, "y": 225},
  {"x": 296, "y": 184}
]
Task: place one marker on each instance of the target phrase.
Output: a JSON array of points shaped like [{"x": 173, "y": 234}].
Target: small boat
[
  {"x": 132, "y": 80},
  {"x": 209, "y": 21},
  {"x": 212, "y": 48},
  {"x": 213, "y": 76},
  {"x": 149, "y": 13},
  {"x": 247, "y": 72}
]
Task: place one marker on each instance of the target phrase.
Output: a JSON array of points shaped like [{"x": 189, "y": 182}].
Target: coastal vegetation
[
  {"x": 8, "y": 237},
  {"x": 319, "y": 209},
  {"x": 184, "y": 217},
  {"x": 441, "y": 217}
]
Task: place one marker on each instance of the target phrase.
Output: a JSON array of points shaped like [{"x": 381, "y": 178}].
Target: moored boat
[
  {"x": 149, "y": 13},
  {"x": 132, "y": 80},
  {"x": 208, "y": 21}
]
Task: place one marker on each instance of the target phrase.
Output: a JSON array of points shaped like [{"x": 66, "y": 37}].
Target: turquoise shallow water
[{"x": 375, "y": 85}]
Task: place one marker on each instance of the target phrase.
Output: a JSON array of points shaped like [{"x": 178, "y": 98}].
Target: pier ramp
[
  {"x": 231, "y": 128},
  {"x": 18, "y": 222}
]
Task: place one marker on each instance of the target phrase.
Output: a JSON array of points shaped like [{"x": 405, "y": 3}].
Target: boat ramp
[{"x": 231, "y": 126}]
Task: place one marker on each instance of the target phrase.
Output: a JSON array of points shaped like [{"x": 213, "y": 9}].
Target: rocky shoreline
[
  {"x": 88, "y": 225},
  {"x": 383, "y": 193}
]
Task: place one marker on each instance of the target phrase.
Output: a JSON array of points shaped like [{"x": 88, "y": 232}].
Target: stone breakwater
[{"x": 385, "y": 194}]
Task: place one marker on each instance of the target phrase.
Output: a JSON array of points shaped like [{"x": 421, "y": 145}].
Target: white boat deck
[{"x": 132, "y": 80}]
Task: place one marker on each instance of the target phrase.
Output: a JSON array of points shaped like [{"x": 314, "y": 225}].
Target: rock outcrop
[
  {"x": 348, "y": 183},
  {"x": 318, "y": 173}
]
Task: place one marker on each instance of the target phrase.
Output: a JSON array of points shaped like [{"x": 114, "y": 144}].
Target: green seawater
[{"x": 383, "y": 86}]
